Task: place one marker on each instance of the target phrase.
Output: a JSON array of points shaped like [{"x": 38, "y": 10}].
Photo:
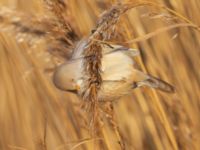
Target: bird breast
[
  {"x": 117, "y": 71},
  {"x": 117, "y": 68}
]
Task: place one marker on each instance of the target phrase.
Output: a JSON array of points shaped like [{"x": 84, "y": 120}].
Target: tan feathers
[{"x": 119, "y": 76}]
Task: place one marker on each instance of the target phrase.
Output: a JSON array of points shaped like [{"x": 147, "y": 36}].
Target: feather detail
[{"x": 157, "y": 84}]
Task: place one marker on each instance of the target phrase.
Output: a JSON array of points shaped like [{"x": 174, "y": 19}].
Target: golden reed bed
[{"x": 36, "y": 115}]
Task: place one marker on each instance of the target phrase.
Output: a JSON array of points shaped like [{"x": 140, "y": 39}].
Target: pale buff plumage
[{"x": 119, "y": 74}]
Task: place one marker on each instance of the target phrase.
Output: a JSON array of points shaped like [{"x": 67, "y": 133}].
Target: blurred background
[{"x": 36, "y": 115}]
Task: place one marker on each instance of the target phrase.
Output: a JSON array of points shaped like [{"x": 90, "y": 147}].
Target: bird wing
[
  {"x": 106, "y": 50},
  {"x": 110, "y": 48}
]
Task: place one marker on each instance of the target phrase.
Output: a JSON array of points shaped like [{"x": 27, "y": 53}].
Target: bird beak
[{"x": 77, "y": 87}]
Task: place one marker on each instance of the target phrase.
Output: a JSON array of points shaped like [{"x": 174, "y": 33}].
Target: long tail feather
[{"x": 157, "y": 84}]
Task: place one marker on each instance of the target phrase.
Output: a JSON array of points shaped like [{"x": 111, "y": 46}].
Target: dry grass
[{"x": 35, "y": 115}]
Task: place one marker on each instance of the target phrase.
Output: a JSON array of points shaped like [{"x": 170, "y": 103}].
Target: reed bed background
[{"x": 36, "y": 115}]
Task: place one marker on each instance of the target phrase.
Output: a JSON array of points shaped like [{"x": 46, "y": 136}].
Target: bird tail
[{"x": 156, "y": 83}]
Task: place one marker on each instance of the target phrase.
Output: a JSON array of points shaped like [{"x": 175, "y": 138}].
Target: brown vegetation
[{"x": 36, "y": 115}]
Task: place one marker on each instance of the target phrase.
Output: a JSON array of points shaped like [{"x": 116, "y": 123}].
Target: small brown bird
[{"x": 119, "y": 73}]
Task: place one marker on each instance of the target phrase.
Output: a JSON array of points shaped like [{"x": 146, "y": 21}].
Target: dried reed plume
[{"x": 62, "y": 37}]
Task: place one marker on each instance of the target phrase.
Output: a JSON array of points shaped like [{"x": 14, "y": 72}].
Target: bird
[{"x": 118, "y": 71}]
